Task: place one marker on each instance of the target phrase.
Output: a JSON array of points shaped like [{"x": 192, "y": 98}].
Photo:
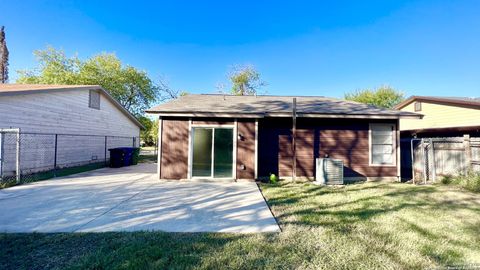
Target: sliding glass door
[
  {"x": 223, "y": 152},
  {"x": 202, "y": 152},
  {"x": 212, "y": 155}
]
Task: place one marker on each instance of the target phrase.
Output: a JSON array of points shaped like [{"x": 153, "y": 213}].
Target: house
[
  {"x": 250, "y": 137},
  {"x": 87, "y": 119},
  {"x": 443, "y": 116},
  {"x": 64, "y": 109}
]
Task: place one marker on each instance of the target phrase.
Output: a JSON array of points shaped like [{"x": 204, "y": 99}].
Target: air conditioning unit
[{"x": 329, "y": 171}]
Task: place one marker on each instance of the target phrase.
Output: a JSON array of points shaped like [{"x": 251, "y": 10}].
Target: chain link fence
[{"x": 27, "y": 157}]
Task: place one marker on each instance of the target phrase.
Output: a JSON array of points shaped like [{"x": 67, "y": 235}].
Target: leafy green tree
[
  {"x": 245, "y": 80},
  {"x": 149, "y": 134},
  {"x": 3, "y": 57},
  {"x": 383, "y": 96},
  {"x": 133, "y": 88},
  {"x": 54, "y": 67},
  {"x": 154, "y": 131}
]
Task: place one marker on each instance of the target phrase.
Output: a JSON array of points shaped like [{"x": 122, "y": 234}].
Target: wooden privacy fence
[{"x": 433, "y": 158}]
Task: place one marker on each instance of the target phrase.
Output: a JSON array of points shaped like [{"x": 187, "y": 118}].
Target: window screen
[
  {"x": 382, "y": 143},
  {"x": 94, "y": 99}
]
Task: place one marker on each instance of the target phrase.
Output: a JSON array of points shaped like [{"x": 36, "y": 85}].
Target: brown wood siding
[
  {"x": 339, "y": 138},
  {"x": 174, "y": 149},
  {"x": 246, "y": 149},
  {"x": 274, "y": 144},
  {"x": 210, "y": 121},
  {"x": 285, "y": 155},
  {"x": 345, "y": 139},
  {"x": 305, "y": 145}
]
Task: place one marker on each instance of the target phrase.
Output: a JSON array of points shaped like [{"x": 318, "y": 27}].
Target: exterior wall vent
[
  {"x": 329, "y": 171},
  {"x": 94, "y": 99}
]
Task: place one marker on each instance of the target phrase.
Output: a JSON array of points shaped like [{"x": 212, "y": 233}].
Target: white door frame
[{"x": 190, "y": 150}]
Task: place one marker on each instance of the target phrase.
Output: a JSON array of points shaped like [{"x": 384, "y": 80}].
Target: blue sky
[{"x": 300, "y": 47}]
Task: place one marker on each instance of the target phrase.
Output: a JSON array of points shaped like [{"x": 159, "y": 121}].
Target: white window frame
[{"x": 394, "y": 145}]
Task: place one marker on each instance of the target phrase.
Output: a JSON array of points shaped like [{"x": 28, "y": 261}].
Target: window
[
  {"x": 382, "y": 144},
  {"x": 418, "y": 106},
  {"x": 94, "y": 99}
]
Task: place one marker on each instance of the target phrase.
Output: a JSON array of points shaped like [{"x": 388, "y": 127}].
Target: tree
[
  {"x": 383, "y": 96},
  {"x": 148, "y": 134},
  {"x": 167, "y": 93},
  {"x": 133, "y": 88},
  {"x": 245, "y": 80},
  {"x": 3, "y": 57},
  {"x": 130, "y": 86}
]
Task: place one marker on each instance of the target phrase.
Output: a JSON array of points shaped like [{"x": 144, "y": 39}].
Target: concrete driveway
[{"x": 131, "y": 199}]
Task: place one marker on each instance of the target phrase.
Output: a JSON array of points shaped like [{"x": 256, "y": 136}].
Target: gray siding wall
[{"x": 64, "y": 112}]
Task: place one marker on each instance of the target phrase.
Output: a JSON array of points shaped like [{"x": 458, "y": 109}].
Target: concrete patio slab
[{"x": 132, "y": 199}]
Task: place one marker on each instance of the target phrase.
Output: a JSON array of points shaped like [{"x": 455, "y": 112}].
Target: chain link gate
[{"x": 9, "y": 155}]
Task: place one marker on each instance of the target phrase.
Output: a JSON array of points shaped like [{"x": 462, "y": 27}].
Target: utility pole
[{"x": 294, "y": 131}]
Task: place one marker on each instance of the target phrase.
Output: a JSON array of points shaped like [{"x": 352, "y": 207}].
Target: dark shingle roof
[{"x": 260, "y": 106}]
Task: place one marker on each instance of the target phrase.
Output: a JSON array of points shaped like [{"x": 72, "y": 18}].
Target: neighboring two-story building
[{"x": 442, "y": 117}]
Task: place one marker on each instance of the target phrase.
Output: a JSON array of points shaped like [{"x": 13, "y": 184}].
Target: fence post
[
  {"x": 17, "y": 165},
  {"x": 468, "y": 153},
  {"x": 432, "y": 161},
  {"x": 412, "y": 155},
  {"x": 105, "y": 158},
  {"x": 425, "y": 161},
  {"x": 55, "y": 157}
]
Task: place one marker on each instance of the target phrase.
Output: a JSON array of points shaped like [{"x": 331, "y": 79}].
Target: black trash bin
[
  {"x": 123, "y": 156},
  {"x": 127, "y": 155},
  {"x": 117, "y": 157},
  {"x": 135, "y": 155}
]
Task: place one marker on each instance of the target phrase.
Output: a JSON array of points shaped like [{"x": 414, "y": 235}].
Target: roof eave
[
  {"x": 206, "y": 114},
  {"x": 404, "y": 103},
  {"x": 447, "y": 101},
  {"x": 281, "y": 114},
  {"x": 361, "y": 116},
  {"x": 121, "y": 108},
  {"x": 45, "y": 90}
]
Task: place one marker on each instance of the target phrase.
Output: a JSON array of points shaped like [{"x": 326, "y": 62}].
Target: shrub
[
  {"x": 273, "y": 178},
  {"x": 446, "y": 180},
  {"x": 471, "y": 181}
]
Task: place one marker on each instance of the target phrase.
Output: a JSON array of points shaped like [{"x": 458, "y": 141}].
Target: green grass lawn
[
  {"x": 147, "y": 158},
  {"x": 362, "y": 226}
]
